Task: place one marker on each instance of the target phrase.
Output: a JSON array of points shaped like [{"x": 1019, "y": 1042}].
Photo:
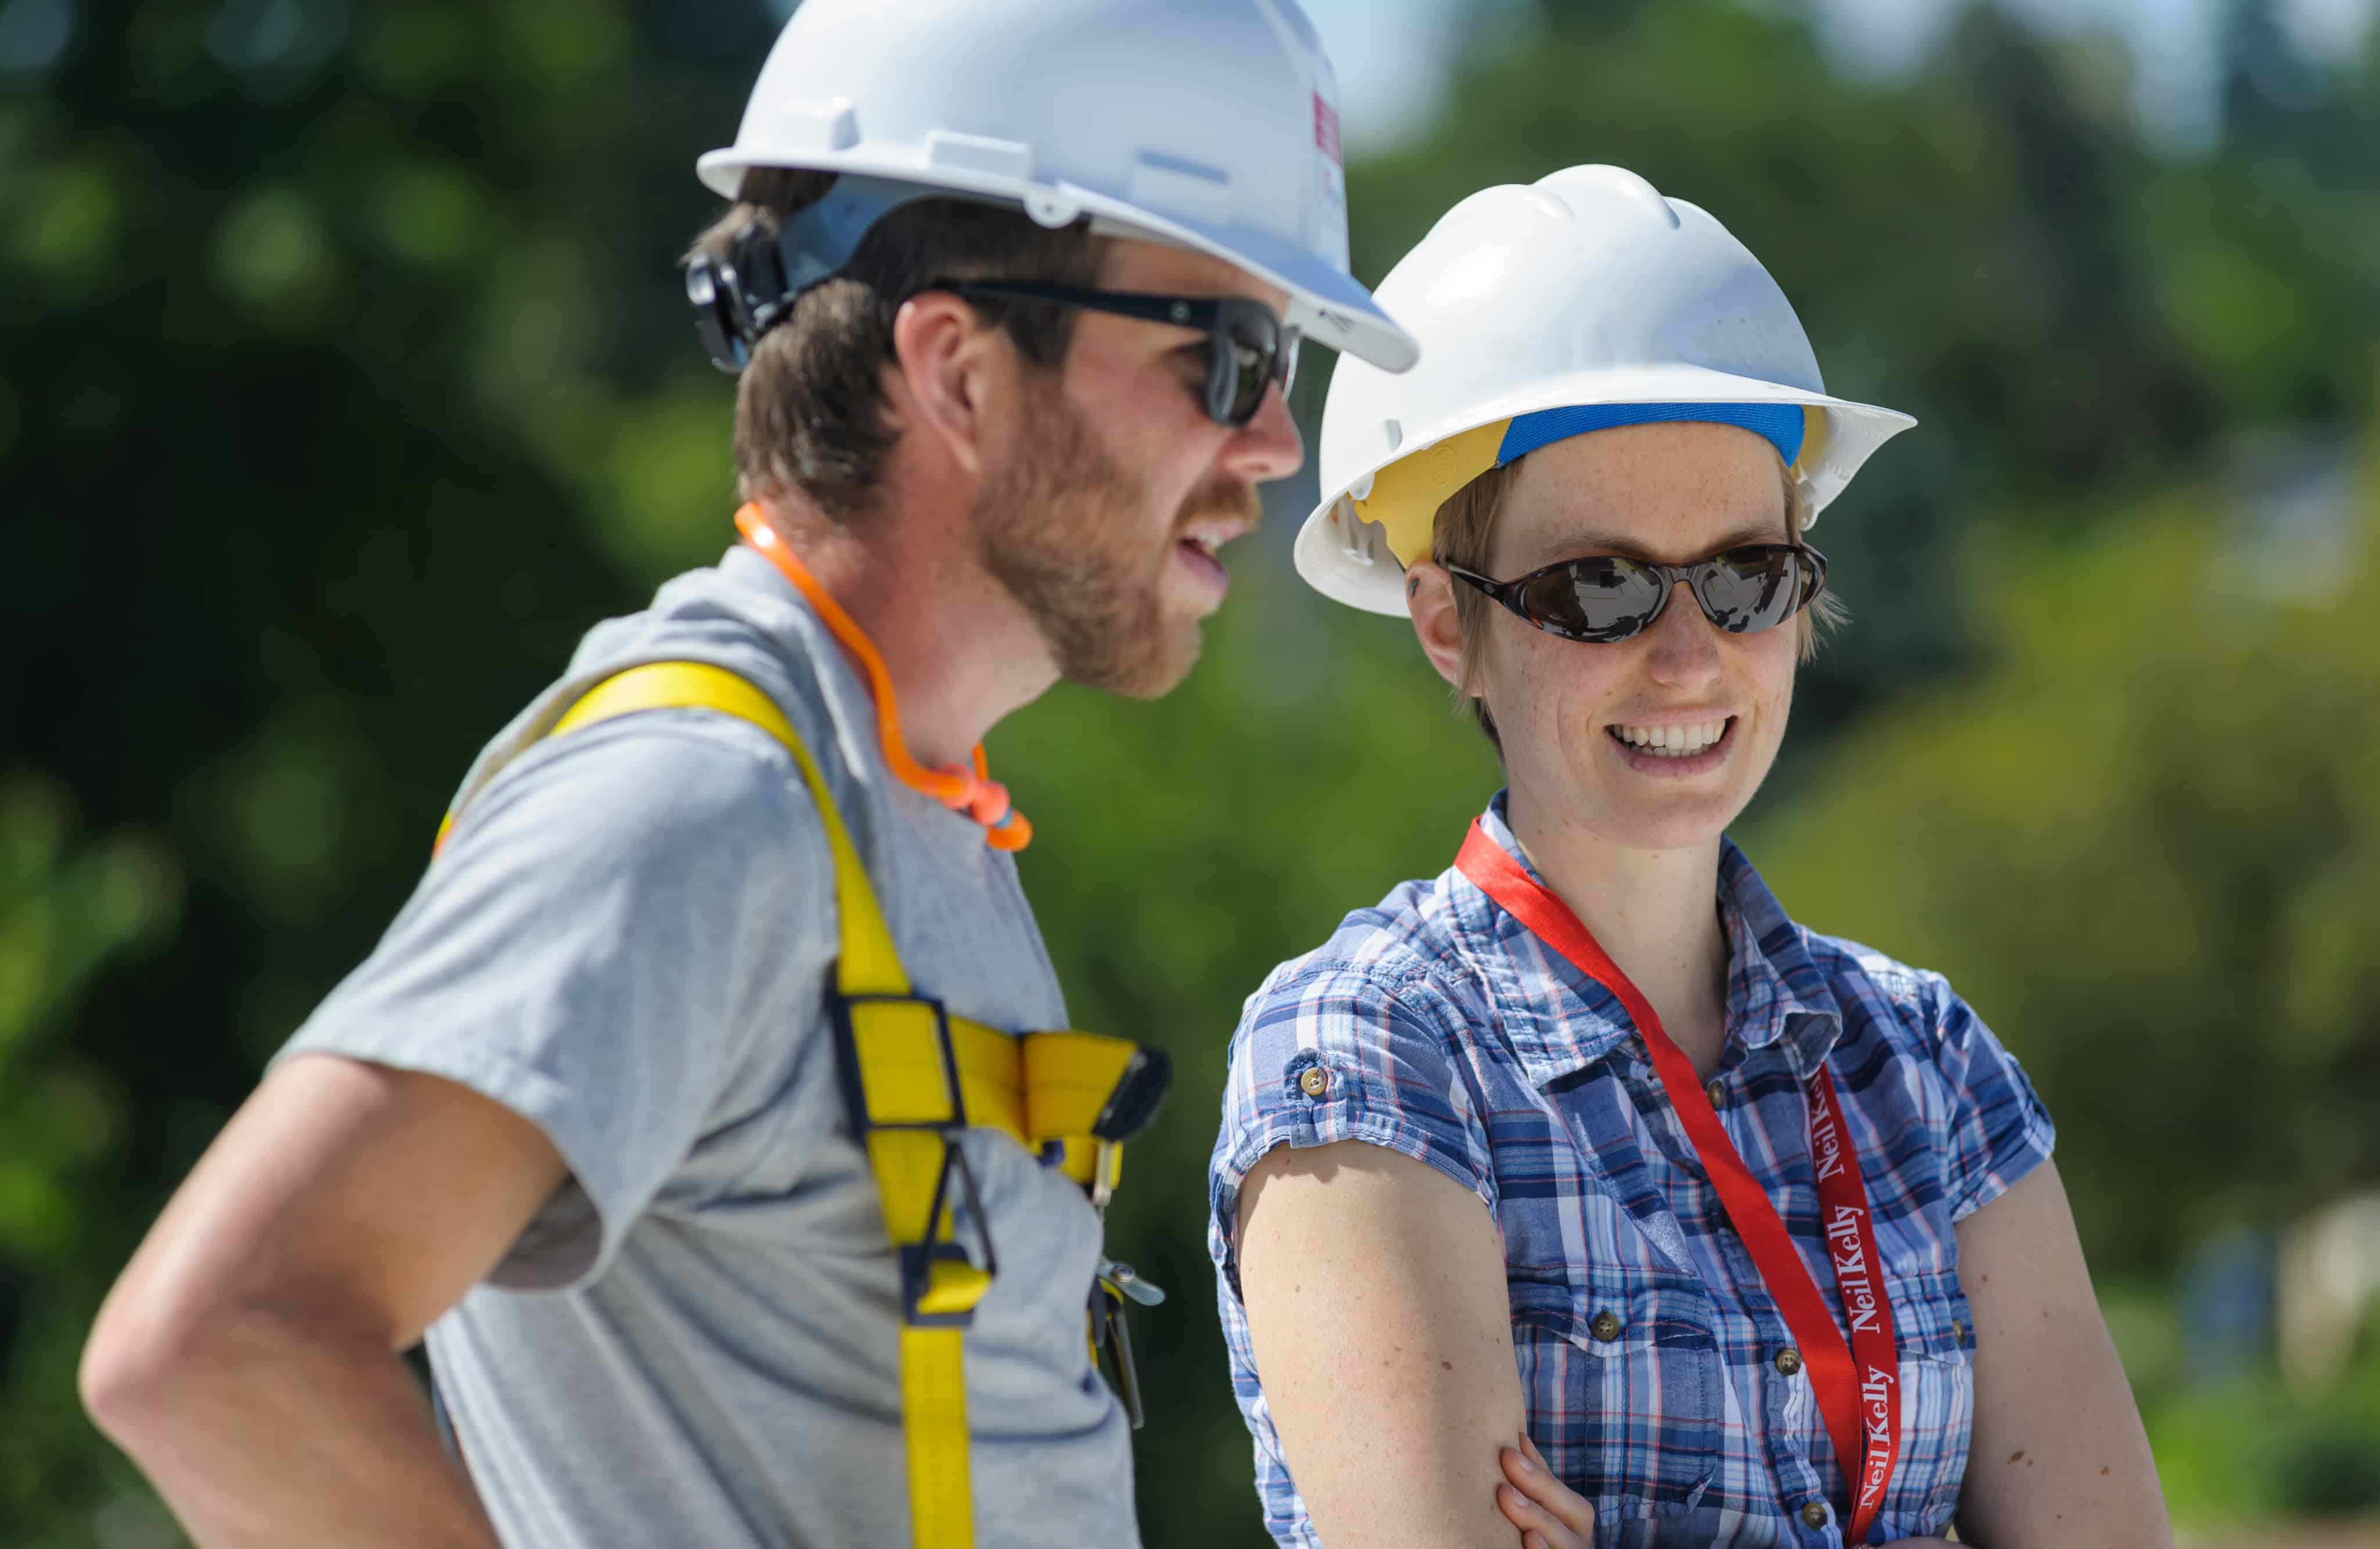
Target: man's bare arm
[
  {"x": 1383, "y": 1332},
  {"x": 2057, "y": 1454},
  {"x": 249, "y": 1358}
]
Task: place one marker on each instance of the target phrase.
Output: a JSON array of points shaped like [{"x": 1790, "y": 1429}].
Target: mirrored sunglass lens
[
  {"x": 1746, "y": 590},
  {"x": 1250, "y": 367},
  {"x": 1604, "y": 598}
]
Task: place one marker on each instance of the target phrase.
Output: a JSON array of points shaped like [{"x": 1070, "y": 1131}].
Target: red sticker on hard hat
[{"x": 1326, "y": 128}]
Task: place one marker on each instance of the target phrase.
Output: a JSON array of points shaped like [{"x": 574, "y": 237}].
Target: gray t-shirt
[{"x": 627, "y": 941}]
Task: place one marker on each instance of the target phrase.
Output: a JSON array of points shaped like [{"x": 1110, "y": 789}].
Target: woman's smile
[{"x": 1673, "y": 749}]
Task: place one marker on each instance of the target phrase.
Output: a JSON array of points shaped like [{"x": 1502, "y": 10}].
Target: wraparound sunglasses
[
  {"x": 1248, "y": 348},
  {"x": 1606, "y": 598}
]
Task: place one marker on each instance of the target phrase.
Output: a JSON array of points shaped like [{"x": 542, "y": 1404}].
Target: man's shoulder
[
  {"x": 738, "y": 615},
  {"x": 677, "y": 773},
  {"x": 681, "y": 779}
]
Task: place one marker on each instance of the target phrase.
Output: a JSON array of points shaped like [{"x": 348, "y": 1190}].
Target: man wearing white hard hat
[
  {"x": 1581, "y": 1171},
  {"x": 711, "y": 1106}
]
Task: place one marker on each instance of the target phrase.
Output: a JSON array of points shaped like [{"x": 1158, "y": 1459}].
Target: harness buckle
[
  {"x": 942, "y": 1278},
  {"x": 844, "y": 1012}
]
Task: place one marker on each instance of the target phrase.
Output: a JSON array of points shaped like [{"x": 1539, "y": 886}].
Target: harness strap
[{"x": 914, "y": 1077}]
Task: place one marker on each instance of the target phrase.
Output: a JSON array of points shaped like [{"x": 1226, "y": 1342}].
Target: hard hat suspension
[{"x": 769, "y": 264}]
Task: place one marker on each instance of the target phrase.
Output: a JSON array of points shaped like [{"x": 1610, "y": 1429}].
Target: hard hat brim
[
  {"x": 1326, "y": 304},
  {"x": 1354, "y": 561}
]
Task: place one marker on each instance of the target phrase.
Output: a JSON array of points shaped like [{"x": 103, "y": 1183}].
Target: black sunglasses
[
  {"x": 1606, "y": 598},
  {"x": 1248, "y": 348}
]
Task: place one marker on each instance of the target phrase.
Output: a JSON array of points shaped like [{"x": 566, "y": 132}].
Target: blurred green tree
[
  {"x": 346, "y": 380},
  {"x": 2267, "y": 83},
  {"x": 323, "y": 328},
  {"x": 2146, "y": 845},
  {"x": 68, "y": 904}
]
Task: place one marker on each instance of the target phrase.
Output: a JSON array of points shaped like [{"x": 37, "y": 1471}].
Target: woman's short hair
[{"x": 1466, "y": 529}]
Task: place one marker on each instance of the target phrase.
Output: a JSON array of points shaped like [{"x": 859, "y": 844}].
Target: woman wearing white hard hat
[{"x": 1580, "y": 1181}]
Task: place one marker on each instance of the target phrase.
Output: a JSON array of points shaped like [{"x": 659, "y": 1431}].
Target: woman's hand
[{"x": 1549, "y": 1514}]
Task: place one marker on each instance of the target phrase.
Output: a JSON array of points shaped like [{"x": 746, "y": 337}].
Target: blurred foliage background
[{"x": 344, "y": 381}]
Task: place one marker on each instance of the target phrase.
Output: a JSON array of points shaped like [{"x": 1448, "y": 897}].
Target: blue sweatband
[{"x": 1780, "y": 423}]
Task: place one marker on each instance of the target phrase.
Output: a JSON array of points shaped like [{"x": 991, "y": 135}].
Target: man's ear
[
  {"x": 951, "y": 379},
  {"x": 1430, "y": 598}
]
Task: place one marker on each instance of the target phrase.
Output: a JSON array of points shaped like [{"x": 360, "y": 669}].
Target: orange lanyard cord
[{"x": 972, "y": 791}]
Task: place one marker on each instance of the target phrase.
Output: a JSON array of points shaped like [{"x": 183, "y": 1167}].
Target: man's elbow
[
  {"x": 153, "y": 1359},
  {"x": 160, "y": 1362},
  {"x": 138, "y": 1357}
]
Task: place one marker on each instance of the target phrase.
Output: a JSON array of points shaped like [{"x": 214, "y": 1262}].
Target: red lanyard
[{"x": 1857, "y": 1383}]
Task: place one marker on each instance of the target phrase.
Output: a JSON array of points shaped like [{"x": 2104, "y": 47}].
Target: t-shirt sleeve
[
  {"x": 612, "y": 924},
  {"x": 1999, "y": 1131},
  {"x": 1340, "y": 1054}
]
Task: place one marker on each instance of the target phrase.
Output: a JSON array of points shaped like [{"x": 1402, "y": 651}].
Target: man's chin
[{"x": 1149, "y": 674}]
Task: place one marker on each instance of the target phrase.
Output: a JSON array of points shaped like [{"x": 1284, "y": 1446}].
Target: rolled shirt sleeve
[
  {"x": 1333, "y": 1053},
  {"x": 1999, "y": 1131}
]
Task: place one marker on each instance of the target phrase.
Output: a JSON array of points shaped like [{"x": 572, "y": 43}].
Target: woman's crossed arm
[
  {"x": 1383, "y": 1332},
  {"x": 1378, "y": 1316}
]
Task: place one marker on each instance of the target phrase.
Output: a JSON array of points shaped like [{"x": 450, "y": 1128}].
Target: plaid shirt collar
[{"x": 1775, "y": 993}]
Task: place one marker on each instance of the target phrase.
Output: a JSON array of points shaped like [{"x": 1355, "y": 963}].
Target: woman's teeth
[{"x": 1672, "y": 742}]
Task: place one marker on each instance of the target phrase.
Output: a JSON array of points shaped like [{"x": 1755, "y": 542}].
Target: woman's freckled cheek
[
  {"x": 1583, "y": 686},
  {"x": 1540, "y": 700}
]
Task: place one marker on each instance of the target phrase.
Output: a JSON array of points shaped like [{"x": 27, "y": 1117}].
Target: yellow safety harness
[{"x": 914, "y": 1077}]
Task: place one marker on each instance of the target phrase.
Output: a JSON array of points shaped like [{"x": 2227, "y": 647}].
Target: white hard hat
[
  {"x": 1211, "y": 125},
  {"x": 1586, "y": 289}
]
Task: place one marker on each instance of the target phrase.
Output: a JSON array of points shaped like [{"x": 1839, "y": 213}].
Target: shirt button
[
  {"x": 1958, "y": 1334},
  {"x": 1605, "y": 1325},
  {"x": 1815, "y": 1514},
  {"x": 1717, "y": 1093},
  {"x": 1315, "y": 1082},
  {"x": 1788, "y": 1362}
]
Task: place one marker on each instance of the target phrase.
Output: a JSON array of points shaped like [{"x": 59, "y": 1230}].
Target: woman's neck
[{"x": 1654, "y": 913}]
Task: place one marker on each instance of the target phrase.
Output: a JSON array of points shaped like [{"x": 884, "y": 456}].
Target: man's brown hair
[
  {"x": 1466, "y": 529},
  {"x": 809, "y": 411}
]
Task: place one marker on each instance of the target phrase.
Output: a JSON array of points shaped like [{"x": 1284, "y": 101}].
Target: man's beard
[{"x": 1055, "y": 527}]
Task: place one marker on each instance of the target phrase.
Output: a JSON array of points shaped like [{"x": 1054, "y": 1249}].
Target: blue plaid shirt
[{"x": 1449, "y": 1032}]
